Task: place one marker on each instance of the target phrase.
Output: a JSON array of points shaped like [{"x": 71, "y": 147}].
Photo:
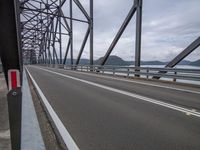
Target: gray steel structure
[
  {"x": 184, "y": 53},
  {"x": 195, "y": 44},
  {"x": 10, "y": 51},
  {"x": 45, "y": 23},
  {"x": 137, "y": 7},
  {"x": 45, "y": 28},
  {"x": 10, "y": 54}
]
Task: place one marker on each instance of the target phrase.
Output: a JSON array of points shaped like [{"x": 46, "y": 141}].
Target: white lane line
[
  {"x": 5, "y": 134},
  {"x": 71, "y": 145},
  {"x": 167, "y": 105},
  {"x": 142, "y": 83}
]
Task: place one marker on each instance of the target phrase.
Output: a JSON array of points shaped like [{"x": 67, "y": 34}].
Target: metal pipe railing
[{"x": 147, "y": 72}]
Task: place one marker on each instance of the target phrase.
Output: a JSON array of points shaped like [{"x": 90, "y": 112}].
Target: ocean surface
[{"x": 178, "y": 66}]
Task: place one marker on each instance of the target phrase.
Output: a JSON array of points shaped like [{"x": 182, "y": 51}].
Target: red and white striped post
[
  {"x": 14, "y": 98},
  {"x": 13, "y": 79}
]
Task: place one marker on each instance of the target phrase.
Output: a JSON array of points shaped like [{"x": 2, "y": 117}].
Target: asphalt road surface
[{"x": 100, "y": 113}]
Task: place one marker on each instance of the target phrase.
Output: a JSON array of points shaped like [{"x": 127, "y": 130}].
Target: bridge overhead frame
[{"x": 46, "y": 29}]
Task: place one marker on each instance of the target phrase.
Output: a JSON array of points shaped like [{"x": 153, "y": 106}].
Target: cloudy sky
[{"x": 168, "y": 27}]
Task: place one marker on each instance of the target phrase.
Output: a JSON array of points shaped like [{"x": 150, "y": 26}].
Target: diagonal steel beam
[
  {"x": 83, "y": 45},
  {"x": 119, "y": 33},
  {"x": 184, "y": 53}
]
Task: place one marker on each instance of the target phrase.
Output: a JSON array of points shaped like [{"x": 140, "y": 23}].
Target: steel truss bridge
[{"x": 35, "y": 31}]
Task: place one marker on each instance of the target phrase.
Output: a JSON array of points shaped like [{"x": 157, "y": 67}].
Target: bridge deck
[{"x": 109, "y": 113}]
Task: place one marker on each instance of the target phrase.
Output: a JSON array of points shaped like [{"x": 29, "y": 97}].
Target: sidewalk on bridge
[
  {"x": 50, "y": 140},
  {"x": 4, "y": 122}
]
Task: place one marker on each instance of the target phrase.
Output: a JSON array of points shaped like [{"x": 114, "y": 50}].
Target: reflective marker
[{"x": 13, "y": 79}]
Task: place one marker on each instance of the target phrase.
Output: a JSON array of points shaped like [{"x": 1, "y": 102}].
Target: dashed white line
[{"x": 164, "y": 104}]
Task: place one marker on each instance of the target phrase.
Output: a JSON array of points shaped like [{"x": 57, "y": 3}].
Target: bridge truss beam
[
  {"x": 47, "y": 29},
  {"x": 137, "y": 7},
  {"x": 184, "y": 53}
]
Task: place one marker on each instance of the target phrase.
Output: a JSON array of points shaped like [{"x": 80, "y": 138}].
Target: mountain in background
[
  {"x": 117, "y": 61},
  {"x": 82, "y": 61},
  {"x": 153, "y": 63},
  {"x": 195, "y": 63},
  {"x": 113, "y": 60},
  {"x": 184, "y": 62}
]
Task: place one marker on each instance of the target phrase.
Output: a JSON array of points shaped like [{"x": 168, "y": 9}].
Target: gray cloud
[{"x": 168, "y": 27}]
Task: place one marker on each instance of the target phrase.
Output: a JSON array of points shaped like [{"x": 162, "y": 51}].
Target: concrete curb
[{"x": 31, "y": 135}]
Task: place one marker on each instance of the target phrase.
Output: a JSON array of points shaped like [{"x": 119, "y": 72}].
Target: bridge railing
[{"x": 174, "y": 74}]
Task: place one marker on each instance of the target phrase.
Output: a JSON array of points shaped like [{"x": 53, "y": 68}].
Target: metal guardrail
[{"x": 144, "y": 72}]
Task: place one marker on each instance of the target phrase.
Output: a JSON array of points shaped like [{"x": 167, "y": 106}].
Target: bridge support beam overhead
[{"x": 47, "y": 27}]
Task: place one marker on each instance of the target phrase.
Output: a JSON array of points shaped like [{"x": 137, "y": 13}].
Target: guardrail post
[
  {"x": 81, "y": 68},
  {"x": 137, "y": 71},
  {"x": 147, "y": 73},
  {"x": 113, "y": 71},
  {"x": 102, "y": 70},
  {"x": 128, "y": 72},
  {"x": 174, "y": 79}
]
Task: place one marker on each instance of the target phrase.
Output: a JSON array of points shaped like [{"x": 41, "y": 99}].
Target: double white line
[
  {"x": 68, "y": 140},
  {"x": 158, "y": 102}
]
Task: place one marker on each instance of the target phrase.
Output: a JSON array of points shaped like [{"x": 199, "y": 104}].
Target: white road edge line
[
  {"x": 167, "y": 105},
  {"x": 150, "y": 84},
  {"x": 68, "y": 140}
]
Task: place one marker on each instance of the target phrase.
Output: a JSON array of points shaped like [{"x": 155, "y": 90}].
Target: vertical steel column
[
  {"x": 53, "y": 40},
  {"x": 91, "y": 32},
  {"x": 138, "y": 33},
  {"x": 45, "y": 48},
  {"x": 60, "y": 36},
  {"x": 10, "y": 53},
  {"x": 49, "y": 43},
  {"x": 71, "y": 30}
]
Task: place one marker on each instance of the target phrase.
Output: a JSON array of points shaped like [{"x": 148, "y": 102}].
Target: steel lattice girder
[{"x": 44, "y": 24}]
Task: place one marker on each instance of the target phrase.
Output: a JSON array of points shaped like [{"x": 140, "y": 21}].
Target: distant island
[
  {"x": 195, "y": 63},
  {"x": 117, "y": 61}
]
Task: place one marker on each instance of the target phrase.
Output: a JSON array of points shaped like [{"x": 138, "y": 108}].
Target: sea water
[{"x": 179, "y": 67}]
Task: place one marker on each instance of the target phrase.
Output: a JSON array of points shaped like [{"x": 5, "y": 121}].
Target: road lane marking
[
  {"x": 68, "y": 140},
  {"x": 142, "y": 83},
  {"x": 164, "y": 104},
  {"x": 5, "y": 134}
]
